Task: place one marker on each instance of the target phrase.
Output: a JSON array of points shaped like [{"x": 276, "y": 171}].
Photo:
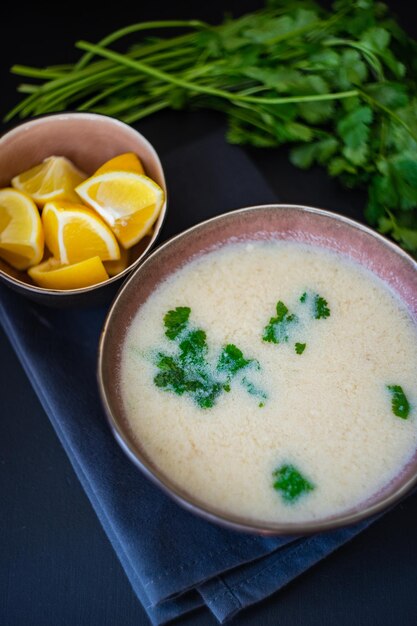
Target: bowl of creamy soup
[{"x": 261, "y": 369}]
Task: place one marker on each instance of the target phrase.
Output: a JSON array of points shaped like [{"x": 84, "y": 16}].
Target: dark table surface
[{"x": 56, "y": 565}]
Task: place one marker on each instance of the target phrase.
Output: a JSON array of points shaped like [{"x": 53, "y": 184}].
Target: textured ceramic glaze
[
  {"x": 276, "y": 222},
  {"x": 88, "y": 140}
]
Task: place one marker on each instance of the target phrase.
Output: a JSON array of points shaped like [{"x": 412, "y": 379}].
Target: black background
[{"x": 56, "y": 565}]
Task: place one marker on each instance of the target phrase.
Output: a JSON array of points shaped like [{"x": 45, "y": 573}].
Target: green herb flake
[
  {"x": 321, "y": 309},
  {"x": 290, "y": 483},
  {"x": 300, "y": 347},
  {"x": 171, "y": 375},
  {"x": 194, "y": 348},
  {"x": 278, "y": 328},
  {"x": 399, "y": 403},
  {"x": 176, "y": 320},
  {"x": 253, "y": 390},
  {"x": 232, "y": 360},
  {"x": 189, "y": 370}
]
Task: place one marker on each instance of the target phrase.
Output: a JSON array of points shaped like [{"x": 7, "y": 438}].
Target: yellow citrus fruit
[
  {"x": 128, "y": 202},
  {"x": 51, "y": 274},
  {"x": 127, "y": 162},
  {"x": 53, "y": 179},
  {"x": 21, "y": 235},
  {"x": 115, "y": 267},
  {"x": 74, "y": 233}
]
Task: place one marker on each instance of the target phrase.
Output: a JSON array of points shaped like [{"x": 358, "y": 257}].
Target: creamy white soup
[{"x": 274, "y": 381}]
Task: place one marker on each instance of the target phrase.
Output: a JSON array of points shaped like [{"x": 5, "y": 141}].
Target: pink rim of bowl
[
  {"x": 87, "y": 139},
  {"x": 277, "y": 222}
]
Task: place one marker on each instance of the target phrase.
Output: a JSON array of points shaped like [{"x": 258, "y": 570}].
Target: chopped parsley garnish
[
  {"x": 278, "y": 328},
  {"x": 320, "y": 306},
  {"x": 281, "y": 327},
  {"x": 175, "y": 377},
  {"x": 194, "y": 348},
  {"x": 189, "y": 370},
  {"x": 252, "y": 389},
  {"x": 232, "y": 360},
  {"x": 300, "y": 347},
  {"x": 321, "y": 309},
  {"x": 399, "y": 403},
  {"x": 175, "y": 321},
  {"x": 291, "y": 483}
]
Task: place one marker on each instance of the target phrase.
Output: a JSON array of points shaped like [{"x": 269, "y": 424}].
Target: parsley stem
[
  {"x": 293, "y": 33},
  {"x": 94, "y": 71},
  {"x": 20, "y": 108},
  {"x": 367, "y": 53},
  {"x": 152, "y": 71},
  {"x": 338, "y": 95},
  {"x": 134, "y": 28},
  {"x": 27, "y": 88},
  {"x": 388, "y": 111},
  {"x": 212, "y": 91},
  {"x": 35, "y": 72},
  {"x": 153, "y": 108},
  {"x": 89, "y": 104}
]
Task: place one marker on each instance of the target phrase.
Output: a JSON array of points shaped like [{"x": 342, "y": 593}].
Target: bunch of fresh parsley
[{"x": 339, "y": 85}]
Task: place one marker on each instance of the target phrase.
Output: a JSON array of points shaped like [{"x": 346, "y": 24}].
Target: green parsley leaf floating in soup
[
  {"x": 231, "y": 360},
  {"x": 285, "y": 325},
  {"x": 300, "y": 347},
  {"x": 278, "y": 328},
  {"x": 189, "y": 371},
  {"x": 321, "y": 309},
  {"x": 291, "y": 483},
  {"x": 176, "y": 320},
  {"x": 399, "y": 403}
]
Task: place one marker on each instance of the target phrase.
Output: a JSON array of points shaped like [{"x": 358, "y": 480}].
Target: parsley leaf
[
  {"x": 189, "y": 370},
  {"x": 317, "y": 152},
  {"x": 171, "y": 375},
  {"x": 176, "y": 320},
  {"x": 354, "y": 129},
  {"x": 321, "y": 309},
  {"x": 281, "y": 327},
  {"x": 278, "y": 328},
  {"x": 291, "y": 483},
  {"x": 231, "y": 360},
  {"x": 399, "y": 403}
]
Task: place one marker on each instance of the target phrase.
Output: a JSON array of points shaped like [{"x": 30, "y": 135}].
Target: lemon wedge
[
  {"x": 53, "y": 179},
  {"x": 129, "y": 203},
  {"x": 51, "y": 274},
  {"x": 21, "y": 235},
  {"x": 126, "y": 162},
  {"x": 74, "y": 233}
]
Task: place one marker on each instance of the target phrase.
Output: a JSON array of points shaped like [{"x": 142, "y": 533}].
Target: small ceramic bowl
[
  {"x": 280, "y": 222},
  {"x": 88, "y": 140}
]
